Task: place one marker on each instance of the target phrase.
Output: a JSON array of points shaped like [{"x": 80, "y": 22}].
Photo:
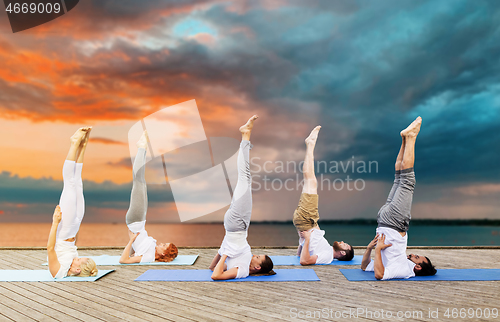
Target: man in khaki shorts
[{"x": 313, "y": 247}]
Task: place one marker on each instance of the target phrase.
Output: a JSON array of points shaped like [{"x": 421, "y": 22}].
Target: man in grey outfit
[{"x": 393, "y": 220}]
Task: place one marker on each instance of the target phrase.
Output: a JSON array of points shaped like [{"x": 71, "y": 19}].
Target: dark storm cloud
[
  {"x": 14, "y": 189},
  {"x": 377, "y": 70},
  {"x": 133, "y": 8},
  {"x": 189, "y": 67},
  {"x": 371, "y": 67}
]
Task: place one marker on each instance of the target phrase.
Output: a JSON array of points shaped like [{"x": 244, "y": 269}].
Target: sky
[{"x": 363, "y": 70}]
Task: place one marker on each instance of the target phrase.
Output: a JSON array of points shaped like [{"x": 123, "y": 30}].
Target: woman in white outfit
[
  {"x": 142, "y": 248},
  {"x": 61, "y": 249},
  {"x": 234, "y": 258}
]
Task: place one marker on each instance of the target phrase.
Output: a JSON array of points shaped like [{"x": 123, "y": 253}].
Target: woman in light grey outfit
[
  {"x": 234, "y": 258},
  {"x": 142, "y": 248}
]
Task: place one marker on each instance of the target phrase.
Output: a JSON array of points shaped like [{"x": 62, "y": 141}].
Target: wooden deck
[{"x": 116, "y": 297}]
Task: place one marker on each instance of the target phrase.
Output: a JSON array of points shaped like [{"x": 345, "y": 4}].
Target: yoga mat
[
  {"x": 44, "y": 276},
  {"x": 295, "y": 261},
  {"x": 355, "y": 275},
  {"x": 204, "y": 275},
  {"x": 114, "y": 260}
]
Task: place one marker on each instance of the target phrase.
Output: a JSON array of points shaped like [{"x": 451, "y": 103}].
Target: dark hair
[
  {"x": 169, "y": 255},
  {"x": 266, "y": 267},
  {"x": 427, "y": 269},
  {"x": 349, "y": 255}
]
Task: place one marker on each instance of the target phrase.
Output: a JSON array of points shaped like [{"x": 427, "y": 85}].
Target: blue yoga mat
[
  {"x": 115, "y": 260},
  {"x": 355, "y": 275},
  {"x": 44, "y": 276},
  {"x": 204, "y": 275},
  {"x": 295, "y": 261}
]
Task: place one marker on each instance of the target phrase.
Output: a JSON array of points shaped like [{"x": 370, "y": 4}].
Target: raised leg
[
  {"x": 310, "y": 181},
  {"x": 410, "y": 134},
  {"x": 83, "y": 145},
  {"x": 139, "y": 196},
  {"x": 397, "y": 213},
  {"x": 75, "y": 140},
  {"x": 68, "y": 228},
  {"x": 237, "y": 217},
  {"x": 399, "y": 159},
  {"x": 306, "y": 215},
  {"x": 398, "y": 165},
  {"x": 80, "y": 200}
]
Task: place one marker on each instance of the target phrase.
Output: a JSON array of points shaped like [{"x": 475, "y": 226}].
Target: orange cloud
[
  {"x": 479, "y": 189},
  {"x": 95, "y": 22},
  {"x": 123, "y": 82},
  {"x": 29, "y": 66},
  {"x": 204, "y": 38},
  {"x": 14, "y": 205},
  {"x": 106, "y": 141}
]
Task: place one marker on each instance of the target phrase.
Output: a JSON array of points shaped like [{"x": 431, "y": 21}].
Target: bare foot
[
  {"x": 143, "y": 141},
  {"x": 311, "y": 139},
  {"x": 247, "y": 128},
  {"x": 79, "y": 135},
  {"x": 85, "y": 140},
  {"x": 413, "y": 129}
]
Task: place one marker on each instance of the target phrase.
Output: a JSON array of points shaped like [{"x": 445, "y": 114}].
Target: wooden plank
[
  {"x": 92, "y": 301},
  {"x": 131, "y": 303},
  {"x": 36, "y": 311},
  {"x": 171, "y": 289},
  {"x": 12, "y": 315},
  {"x": 248, "y": 301},
  {"x": 122, "y": 315},
  {"x": 77, "y": 303},
  {"x": 144, "y": 291},
  {"x": 13, "y": 310},
  {"x": 60, "y": 312},
  {"x": 3, "y": 318},
  {"x": 182, "y": 307},
  {"x": 70, "y": 300},
  {"x": 34, "y": 302}
]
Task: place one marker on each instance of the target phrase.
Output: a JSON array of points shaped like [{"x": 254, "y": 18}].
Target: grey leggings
[
  {"x": 396, "y": 213},
  {"x": 237, "y": 217},
  {"x": 139, "y": 196}
]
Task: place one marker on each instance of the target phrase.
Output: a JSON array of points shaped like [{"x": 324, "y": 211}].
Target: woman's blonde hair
[{"x": 88, "y": 268}]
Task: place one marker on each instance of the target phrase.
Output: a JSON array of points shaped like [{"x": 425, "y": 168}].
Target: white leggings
[{"x": 72, "y": 203}]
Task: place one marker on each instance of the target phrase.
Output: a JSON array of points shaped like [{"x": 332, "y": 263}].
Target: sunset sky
[{"x": 361, "y": 69}]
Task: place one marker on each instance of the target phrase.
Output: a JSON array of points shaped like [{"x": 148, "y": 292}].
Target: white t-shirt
[
  {"x": 396, "y": 263},
  {"x": 318, "y": 245},
  {"x": 238, "y": 251},
  {"x": 66, "y": 252},
  {"x": 143, "y": 245}
]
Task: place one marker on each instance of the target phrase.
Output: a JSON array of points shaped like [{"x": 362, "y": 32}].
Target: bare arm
[
  {"x": 214, "y": 262},
  {"x": 379, "y": 265},
  {"x": 366, "y": 257},
  {"x": 76, "y": 237},
  {"x": 299, "y": 249},
  {"x": 125, "y": 258},
  {"x": 220, "y": 274},
  {"x": 54, "y": 264},
  {"x": 305, "y": 257},
  {"x": 130, "y": 234}
]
